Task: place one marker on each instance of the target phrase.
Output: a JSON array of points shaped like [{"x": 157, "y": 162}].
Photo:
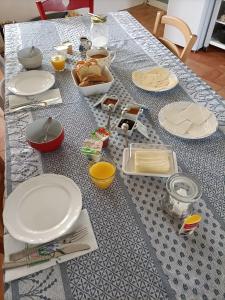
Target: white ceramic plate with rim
[
  {"x": 42, "y": 208},
  {"x": 204, "y": 130},
  {"x": 173, "y": 81},
  {"x": 31, "y": 82}
]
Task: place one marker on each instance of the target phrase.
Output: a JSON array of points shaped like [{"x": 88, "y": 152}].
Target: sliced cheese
[
  {"x": 181, "y": 128},
  {"x": 173, "y": 112},
  {"x": 196, "y": 114},
  {"x": 152, "y": 161}
]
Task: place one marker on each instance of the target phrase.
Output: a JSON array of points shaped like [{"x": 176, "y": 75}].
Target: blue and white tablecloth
[{"x": 140, "y": 254}]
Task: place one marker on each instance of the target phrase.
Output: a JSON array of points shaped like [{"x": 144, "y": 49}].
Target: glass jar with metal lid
[
  {"x": 183, "y": 191},
  {"x": 99, "y": 32}
]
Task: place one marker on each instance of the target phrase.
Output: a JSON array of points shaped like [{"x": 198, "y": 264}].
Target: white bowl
[{"x": 101, "y": 88}]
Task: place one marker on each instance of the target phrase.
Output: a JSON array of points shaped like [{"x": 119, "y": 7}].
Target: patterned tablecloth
[{"x": 140, "y": 254}]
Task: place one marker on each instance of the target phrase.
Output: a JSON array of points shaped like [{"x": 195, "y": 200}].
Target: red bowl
[{"x": 36, "y": 131}]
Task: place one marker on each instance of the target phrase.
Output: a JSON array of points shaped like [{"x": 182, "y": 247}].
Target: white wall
[{"x": 23, "y": 10}]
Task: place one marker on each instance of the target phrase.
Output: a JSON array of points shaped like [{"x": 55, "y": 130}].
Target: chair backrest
[
  {"x": 190, "y": 38},
  {"x": 2, "y": 65},
  {"x": 2, "y": 94},
  {"x": 62, "y": 5}
]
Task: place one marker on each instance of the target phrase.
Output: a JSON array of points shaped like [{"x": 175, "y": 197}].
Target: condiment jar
[
  {"x": 30, "y": 57},
  {"x": 183, "y": 191},
  {"x": 99, "y": 32}
]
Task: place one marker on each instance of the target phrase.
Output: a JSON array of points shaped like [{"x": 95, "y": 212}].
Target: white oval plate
[
  {"x": 173, "y": 81},
  {"x": 193, "y": 131},
  {"x": 42, "y": 208},
  {"x": 31, "y": 82}
]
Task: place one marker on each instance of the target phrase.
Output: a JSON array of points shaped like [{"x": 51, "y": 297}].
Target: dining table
[{"x": 140, "y": 253}]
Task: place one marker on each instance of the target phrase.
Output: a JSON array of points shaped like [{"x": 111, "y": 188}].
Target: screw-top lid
[
  {"x": 184, "y": 188},
  {"x": 98, "y": 19}
]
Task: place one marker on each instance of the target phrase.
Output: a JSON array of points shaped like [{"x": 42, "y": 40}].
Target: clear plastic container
[
  {"x": 149, "y": 160},
  {"x": 99, "y": 32}
]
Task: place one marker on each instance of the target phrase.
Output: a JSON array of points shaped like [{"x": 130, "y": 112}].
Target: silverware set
[
  {"x": 37, "y": 254},
  {"x": 34, "y": 104}
]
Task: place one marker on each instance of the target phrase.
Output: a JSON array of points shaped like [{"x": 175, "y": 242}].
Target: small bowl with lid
[
  {"x": 45, "y": 135},
  {"x": 30, "y": 57}
]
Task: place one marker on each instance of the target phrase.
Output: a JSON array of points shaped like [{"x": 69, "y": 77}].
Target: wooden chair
[
  {"x": 2, "y": 83},
  {"x": 61, "y": 6},
  {"x": 2, "y": 167},
  {"x": 190, "y": 38}
]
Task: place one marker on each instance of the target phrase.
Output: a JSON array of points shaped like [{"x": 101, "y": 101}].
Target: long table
[{"x": 140, "y": 254}]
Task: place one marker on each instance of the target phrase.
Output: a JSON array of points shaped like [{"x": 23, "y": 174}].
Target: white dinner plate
[
  {"x": 31, "y": 82},
  {"x": 173, "y": 81},
  {"x": 188, "y": 120},
  {"x": 42, "y": 208}
]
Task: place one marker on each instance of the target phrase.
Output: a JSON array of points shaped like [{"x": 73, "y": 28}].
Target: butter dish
[{"x": 149, "y": 160}]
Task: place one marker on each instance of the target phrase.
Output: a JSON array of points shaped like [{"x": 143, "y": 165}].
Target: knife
[
  {"x": 67, "y": 249},
  {"x": 69, "y": 238},
  {"x": 36, "y": 104}
]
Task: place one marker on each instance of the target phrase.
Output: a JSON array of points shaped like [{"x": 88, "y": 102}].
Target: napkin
[
  {"x": 51, "y": 97},
  {"x": 12, "y": 245}
]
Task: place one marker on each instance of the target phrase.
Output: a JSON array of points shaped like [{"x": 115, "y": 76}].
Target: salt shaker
[{"x": 183, "y": 191}]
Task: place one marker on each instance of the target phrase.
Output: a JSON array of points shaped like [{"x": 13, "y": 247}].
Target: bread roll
[{"x": 85, "y": 68}]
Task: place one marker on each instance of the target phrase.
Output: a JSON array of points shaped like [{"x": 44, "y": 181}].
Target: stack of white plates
[{"x": 42, "y": 208}]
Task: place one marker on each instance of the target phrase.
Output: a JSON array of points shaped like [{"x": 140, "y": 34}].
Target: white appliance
[{"x": 196, "y": 13}]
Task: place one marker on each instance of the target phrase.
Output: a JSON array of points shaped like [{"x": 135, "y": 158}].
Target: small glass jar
[
  {"x": 99, "y": 32},
  {"x": 183, "y": 191}
]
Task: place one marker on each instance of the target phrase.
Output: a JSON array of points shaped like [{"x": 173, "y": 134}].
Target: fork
[{"x": 51, "y": 246}]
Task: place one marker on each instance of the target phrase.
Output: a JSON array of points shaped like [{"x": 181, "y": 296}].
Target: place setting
[
  {"x": 34, "y": 88},
  {"x": 33, "y": 245}
]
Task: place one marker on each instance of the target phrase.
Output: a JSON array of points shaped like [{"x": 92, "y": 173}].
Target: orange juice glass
[
  {"x": 58, "y": 61},
  {"x": 102, "y": 174}
]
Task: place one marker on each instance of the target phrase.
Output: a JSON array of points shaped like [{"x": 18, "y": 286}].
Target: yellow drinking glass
[
  {"x": 58, "y": 61},
  {"x": 102, "y": 174}
]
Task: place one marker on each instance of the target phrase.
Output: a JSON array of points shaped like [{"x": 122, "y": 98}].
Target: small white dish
[
  {"x": 111, "y": 97},
  {"x": 137, "y": 110},
  {"x": 31, "y": 82},
  {"x": 173, "y": 81},
  {"x": 96, "y": 89},
  {"x": 188, "y": 120},
  {"x": 42, "y": 208},
  {"x": 128, "y": 164},
  {"x": 131, "y": 123}
]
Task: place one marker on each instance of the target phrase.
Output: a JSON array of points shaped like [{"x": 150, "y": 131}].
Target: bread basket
[{"x": 101, "y": 88}]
